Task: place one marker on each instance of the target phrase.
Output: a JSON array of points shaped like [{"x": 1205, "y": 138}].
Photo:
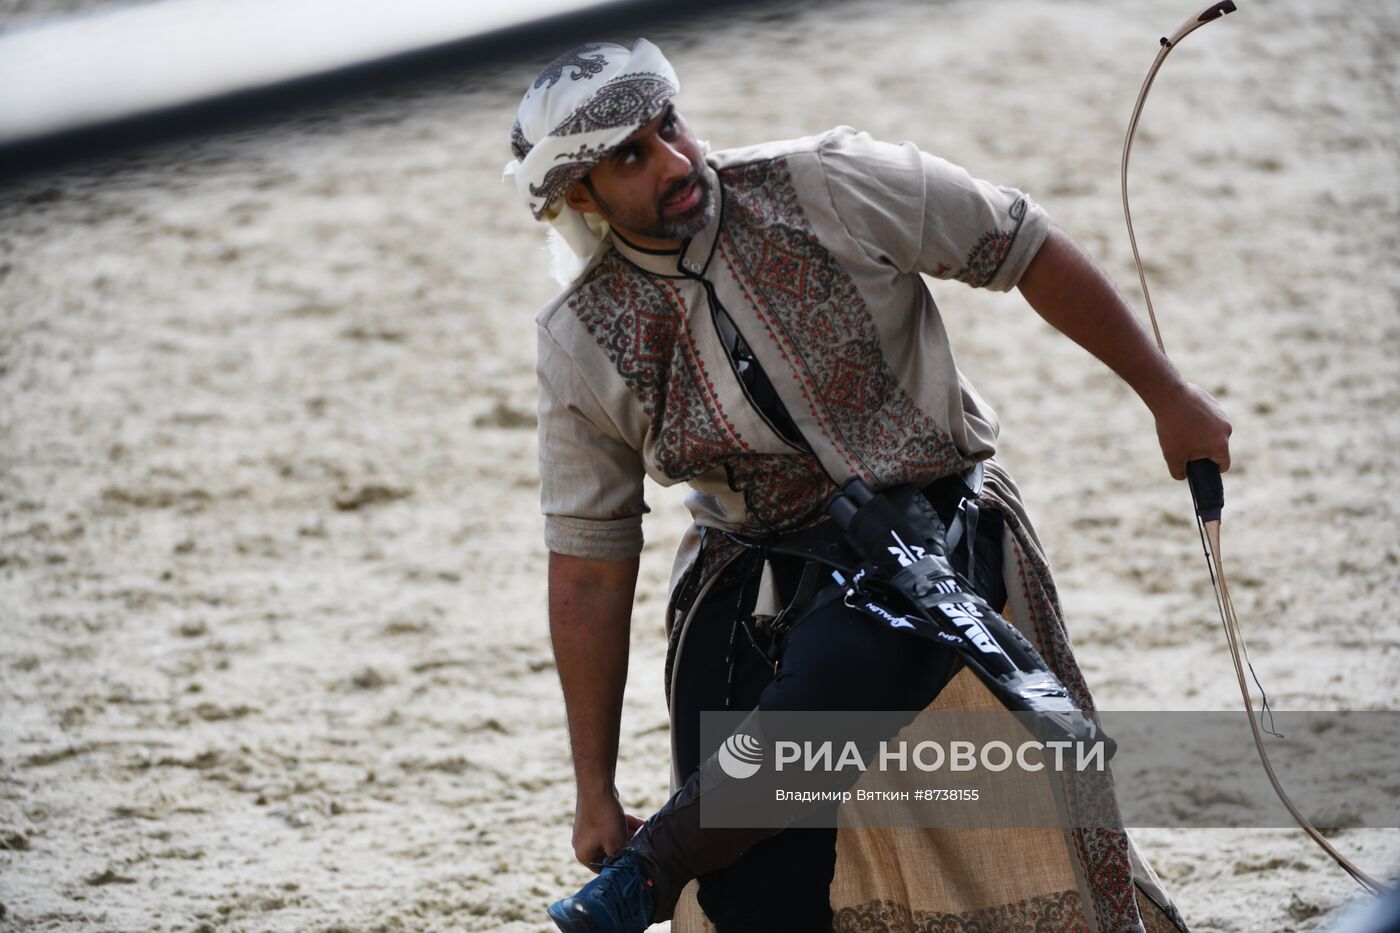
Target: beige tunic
[{"x": 816, "y": 255}]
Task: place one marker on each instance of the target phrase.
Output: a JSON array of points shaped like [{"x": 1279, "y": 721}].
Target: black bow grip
[{"x": 1207, "y": 489}]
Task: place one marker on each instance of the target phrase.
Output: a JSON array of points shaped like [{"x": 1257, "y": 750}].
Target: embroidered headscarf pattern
[
  {"x": 519, "y": 146},
  {"x": 584, "y": 65},
  {"x": 628, "y": 101},
  {"x": 564, "y": 128}
]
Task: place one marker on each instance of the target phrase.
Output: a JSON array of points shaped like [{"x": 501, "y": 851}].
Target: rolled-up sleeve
[
  {"x": 590, "y": 478},
  {"x": 920, "y": 213}
]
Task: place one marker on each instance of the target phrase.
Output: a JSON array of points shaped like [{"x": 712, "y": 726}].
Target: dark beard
[{"x": 656, "y": 225}]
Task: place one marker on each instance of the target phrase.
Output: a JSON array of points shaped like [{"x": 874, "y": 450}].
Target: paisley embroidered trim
[
  {"x": 519, "y": 146},
  {"x": 1052, "y": 913},
  {"x": 811, "y": 310},
  {"x": 585, "y": 66},
  {"x": 630, "y": 100}
]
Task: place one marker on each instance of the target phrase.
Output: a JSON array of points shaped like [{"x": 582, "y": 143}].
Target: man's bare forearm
[
  {"x": 1070, "y": 292},
  {"x": 1065, "y": 288},
  {"x": 590, "y": 613}
]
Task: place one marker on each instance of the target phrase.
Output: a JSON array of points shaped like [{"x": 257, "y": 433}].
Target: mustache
[{"x": 681, "y": 185}]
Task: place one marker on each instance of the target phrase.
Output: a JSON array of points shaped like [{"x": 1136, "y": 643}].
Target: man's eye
[{"x": 627, "y": 155}]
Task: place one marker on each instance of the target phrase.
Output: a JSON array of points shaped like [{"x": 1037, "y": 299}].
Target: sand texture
[{"x": 273, "y": 652}]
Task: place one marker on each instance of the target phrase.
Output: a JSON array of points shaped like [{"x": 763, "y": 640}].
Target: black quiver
[{"x": 901, "y": 539}]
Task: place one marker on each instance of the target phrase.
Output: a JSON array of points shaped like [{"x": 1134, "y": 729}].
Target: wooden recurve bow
[{"x": 1207, "y": 490}]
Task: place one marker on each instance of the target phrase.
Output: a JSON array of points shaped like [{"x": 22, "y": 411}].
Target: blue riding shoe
[{"x": 619, "y": 900}]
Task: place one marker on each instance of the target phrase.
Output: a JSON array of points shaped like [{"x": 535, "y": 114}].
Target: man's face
[{"x": 655, "y": 188}]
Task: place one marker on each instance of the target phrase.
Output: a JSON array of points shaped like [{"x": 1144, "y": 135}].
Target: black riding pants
[{"x": 834, "y": 659}]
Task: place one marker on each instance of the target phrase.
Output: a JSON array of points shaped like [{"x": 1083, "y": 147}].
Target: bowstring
[{"x": 1210, "y": 530}]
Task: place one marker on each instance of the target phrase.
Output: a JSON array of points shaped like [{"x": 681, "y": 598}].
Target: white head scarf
[{"x": 582, "y": 106}]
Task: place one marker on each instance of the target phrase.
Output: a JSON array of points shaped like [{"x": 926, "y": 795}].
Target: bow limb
[
  {"x": 1207, "y": 491},
  {"x": 1127, "y": 212},
  {"x": 1215, "y": 11}
]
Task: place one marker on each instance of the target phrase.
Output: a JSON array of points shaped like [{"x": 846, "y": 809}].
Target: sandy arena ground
[{"x": 273, "y": 652}]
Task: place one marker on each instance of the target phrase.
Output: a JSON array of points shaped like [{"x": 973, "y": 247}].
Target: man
[{"x": 753, "y": 323}]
